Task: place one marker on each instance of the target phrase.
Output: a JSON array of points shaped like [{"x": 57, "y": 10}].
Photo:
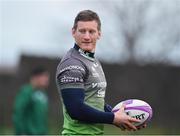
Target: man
[
  {"x": 82, "y": 84},
  {"x": 31, "y": 105}
]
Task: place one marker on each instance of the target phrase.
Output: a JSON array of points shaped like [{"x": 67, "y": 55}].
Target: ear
[
  {"x": 73, "y": 31},
  {"x": 99, "y": 35}
]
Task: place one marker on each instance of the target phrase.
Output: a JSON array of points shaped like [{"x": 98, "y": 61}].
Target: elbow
[{"x": 75, "y": 114}]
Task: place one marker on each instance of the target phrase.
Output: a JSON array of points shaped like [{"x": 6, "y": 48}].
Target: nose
[{"x": 86, "y": 36}]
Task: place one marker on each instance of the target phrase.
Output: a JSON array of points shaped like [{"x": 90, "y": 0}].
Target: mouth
[{"x": 86, "y": 42}]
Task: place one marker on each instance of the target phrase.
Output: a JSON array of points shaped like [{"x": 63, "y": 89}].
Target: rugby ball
[{"x": 137, "y": 109}]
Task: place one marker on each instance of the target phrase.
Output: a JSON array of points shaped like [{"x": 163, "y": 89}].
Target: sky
[{"x": 43, "y": 28}]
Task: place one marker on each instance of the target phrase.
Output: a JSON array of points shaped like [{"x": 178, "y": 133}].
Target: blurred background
[{"x": 139, "y": 51}]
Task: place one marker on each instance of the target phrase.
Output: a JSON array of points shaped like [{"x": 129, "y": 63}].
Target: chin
[{"x": 87, "y": 48}]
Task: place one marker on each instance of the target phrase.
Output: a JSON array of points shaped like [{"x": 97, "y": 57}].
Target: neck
[
  {"x": 34, "y": 85},
  {"x": 87, "y": 53}
]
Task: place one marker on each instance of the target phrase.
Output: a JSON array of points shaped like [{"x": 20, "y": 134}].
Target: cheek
[
  {"x": 78, "y": 37},
  {"x": 44, "y": 81},
  {"x": 95, "y": 38}
]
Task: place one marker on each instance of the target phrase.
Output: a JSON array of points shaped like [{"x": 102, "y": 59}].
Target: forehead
[
  {"x": 87, "y": 25},
  {"x": 44, "y": 74}
]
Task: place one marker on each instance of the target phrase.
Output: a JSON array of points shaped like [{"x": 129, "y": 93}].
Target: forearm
[
  {"x": 107, "y": 108},
  {"x": 74, "y": 102}
]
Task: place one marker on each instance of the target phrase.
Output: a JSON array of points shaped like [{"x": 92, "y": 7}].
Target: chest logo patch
[{"x": 94, "y": 72}]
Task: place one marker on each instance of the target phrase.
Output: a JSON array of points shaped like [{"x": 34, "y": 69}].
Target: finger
[
  {"x": 122, "y": 108},
  {"x": 144, "y": 126},
  {"x": 126, "y": 127},
  {"x": 139, "y": 127},
  {"x": 131, "y": 126},
  {"x": 122, "y": 127},
  {"x": 134, "y": 120}
]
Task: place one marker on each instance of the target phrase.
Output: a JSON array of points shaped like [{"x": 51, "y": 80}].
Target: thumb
[{"x": 122, "y": 108}]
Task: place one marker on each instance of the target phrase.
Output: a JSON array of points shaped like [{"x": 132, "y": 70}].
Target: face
[
  {"x": 86, "y": 35},
  {"x": 42, "y": 80}
]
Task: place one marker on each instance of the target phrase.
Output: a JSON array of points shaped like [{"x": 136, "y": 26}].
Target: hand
[
  {"x": 123, "y": 121},
  {"x": 142, "y": 126}
]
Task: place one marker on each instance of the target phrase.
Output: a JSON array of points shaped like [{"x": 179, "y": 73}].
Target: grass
[{"x": 111, "y": 130}]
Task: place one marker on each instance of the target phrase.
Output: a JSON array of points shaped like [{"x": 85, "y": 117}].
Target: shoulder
[
  {"x": 26, "y": 89},
  {"x": 70, "y": 66},
  {"x": 39, "y": 96},
  {"x": 24, "y": 94},
  {"x": 71, "y": 61}
]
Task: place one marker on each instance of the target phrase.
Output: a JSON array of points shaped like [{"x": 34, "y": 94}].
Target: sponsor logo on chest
[
  {"x": 94, "y": 72},
  {"x": 101, "y": 88}
]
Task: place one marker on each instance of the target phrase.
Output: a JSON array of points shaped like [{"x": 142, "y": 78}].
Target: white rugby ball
[{"x": 137, "y": 109}]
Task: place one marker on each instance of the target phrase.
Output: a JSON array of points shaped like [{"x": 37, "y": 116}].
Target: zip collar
[{"x": 86, "y": 54}]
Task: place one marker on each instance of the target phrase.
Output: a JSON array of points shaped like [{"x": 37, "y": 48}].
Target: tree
[
  {"x": 141, "y": 22},
  {"x": 131, "y": 23}
]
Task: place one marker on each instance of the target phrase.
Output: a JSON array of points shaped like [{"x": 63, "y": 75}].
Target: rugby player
[
  {"x": 82, "y": 83},
  {"x": 30, "y": 111}
]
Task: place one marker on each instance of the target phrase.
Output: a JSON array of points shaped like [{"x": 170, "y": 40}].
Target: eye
[
  {"x": 92, "y": 31},
  {"x": 83, "y": 31}
]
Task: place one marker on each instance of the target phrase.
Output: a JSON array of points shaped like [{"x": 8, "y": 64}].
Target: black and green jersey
[
  {"x": 30, "y": 111},
  {"x": 78, "y": 70}
]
